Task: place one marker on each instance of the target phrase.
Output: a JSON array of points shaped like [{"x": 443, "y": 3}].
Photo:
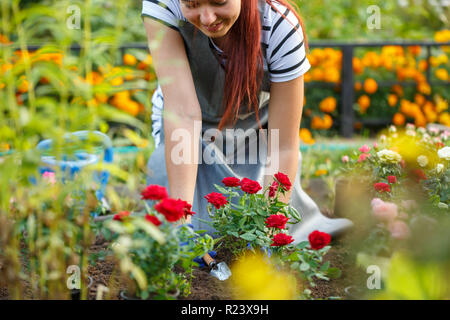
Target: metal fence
[{"x": 347, "y": 99}]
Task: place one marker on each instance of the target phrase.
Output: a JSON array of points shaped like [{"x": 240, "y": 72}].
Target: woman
[{"x": 228, "y": 64}]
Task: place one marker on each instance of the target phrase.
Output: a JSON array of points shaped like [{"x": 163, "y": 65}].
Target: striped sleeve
[
  {"x": 286, "y": 55},
  {"x": 167, "y": 12}
]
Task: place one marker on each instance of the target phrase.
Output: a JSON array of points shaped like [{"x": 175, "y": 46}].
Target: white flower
[
  {"x": 383, "y": 138},
  {"x": 389, "y": 156},
  {"x": 392, "y": 129},
  {"x": 444, "y": 153},
  {"x": 411, "y": 133},
  {"x": 422, "y": 160},
  {"x": 442, "y": 205},
  {"x": 439, "y": 168},
  {"x": 422, "y": 130}
]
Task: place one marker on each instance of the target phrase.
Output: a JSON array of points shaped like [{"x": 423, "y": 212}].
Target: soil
[{"x": 205, "y": 287}]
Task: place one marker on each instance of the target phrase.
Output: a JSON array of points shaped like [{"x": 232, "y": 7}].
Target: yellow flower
[
  {"x": 129, "y": 60},
  {"x": 442, "y": 74},
  {"x": 320, "y": 172},
  {"x": 254, "y": 278},
  {"x": 306, "y": 136},
  {"x": 424, "y": 87}
]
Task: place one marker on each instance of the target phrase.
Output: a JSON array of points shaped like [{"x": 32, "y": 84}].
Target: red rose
[
  {"x": 318, "y": 239},
  {"x": 154, "y": 192},
  {"x": 281, "y": 239},
  {"x": 382, "y": 187},
  {"x": 420, "y": 175},
  {"x": 187, "y": 209},
  {"x": 273, "y": 189},
  {"x": 173, "y": 210},
  {"x": 277, "y": 221},
  {"x": 392, "y": 179},
  {"x": 217, "y": 199},
  {"x": 231, "y": 182},
  {"x": 283, "y": 180},
  {"x": 153, "y": 220},
  {"x": 250, "y": 186},
  {"x": 121, "y": 215}
]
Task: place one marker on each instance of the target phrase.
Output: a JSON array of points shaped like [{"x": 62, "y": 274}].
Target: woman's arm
[
  {"x": 181, "y": 108},
  {"x": 285, "y": 113}
]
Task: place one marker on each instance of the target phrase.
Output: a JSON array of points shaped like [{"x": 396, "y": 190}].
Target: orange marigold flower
[
  {"x": 392, "y": 100},
  {"x": 442, "y": 74},
  {"x": 129, "y": 60},
  {"x": 424, "y": 87},
  {"x": 364, "y": 103},
  {"x": 328, "y": 105},
  {"x": 398, "y": 119},
  {"x": 370, "y": 86}
]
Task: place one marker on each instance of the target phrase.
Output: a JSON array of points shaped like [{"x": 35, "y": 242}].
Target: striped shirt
[{"x": 283, "y": 46}]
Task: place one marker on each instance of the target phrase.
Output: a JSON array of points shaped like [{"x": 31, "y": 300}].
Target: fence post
[{"x": 347, "y": 93}]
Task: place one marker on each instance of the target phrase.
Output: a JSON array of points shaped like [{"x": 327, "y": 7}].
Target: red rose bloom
[
  {"x": 273, "y": 189},
  {"x": 173, "y": 210},
  {"x": 277, "y": 221},
  {"x": 154, "y": 192},
  {"x": 382, "y": 187},
  {"x": 281, "y": 239},
  {"x": 318, "y": 239},
  {"x": 153, "y": 219},
  {"x": 231, "y": 182},
  {"x": 187, "y": 209},
  {"x": 250, "y": 186},
  {"x": 420, "y": 175},
  {"x": 283, "y": 180},
  {"x": 217, "y": 199},
  {"x": 392, "y": 179},
  {"x": 121, "y": 215}
]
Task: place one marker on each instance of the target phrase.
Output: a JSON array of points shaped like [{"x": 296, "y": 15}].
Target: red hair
[{"x": 244, "y": 67}]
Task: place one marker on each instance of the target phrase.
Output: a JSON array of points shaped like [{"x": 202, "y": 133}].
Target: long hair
[{"x": 244, "y": 67}]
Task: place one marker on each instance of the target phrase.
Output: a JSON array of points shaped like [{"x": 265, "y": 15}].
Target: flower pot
[{"x": 75, "y": 294}]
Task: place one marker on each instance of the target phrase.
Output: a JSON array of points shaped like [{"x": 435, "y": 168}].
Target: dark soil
[{"x": 205, "y": 287}]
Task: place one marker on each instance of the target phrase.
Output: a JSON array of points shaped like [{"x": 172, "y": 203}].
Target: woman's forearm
[{"x": 182, "y": 140}]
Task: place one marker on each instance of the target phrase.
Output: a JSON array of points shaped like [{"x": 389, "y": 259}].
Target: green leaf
[
  {"x": 221, "y": 189},
  {"x": 334, "y": 273},
  {"x": 295, "y": 265},
  {"x": 325, "y": 266},
  {"x": 248, "y": 236},
  {"x": 304, "y": 266},
  {"x": 302, "y": 245}
]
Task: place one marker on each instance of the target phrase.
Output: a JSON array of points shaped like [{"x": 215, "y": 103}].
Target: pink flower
[
  {"x": 375, "y": 145},
  {"x": 399, "y": 230},
  {"x": 345, "y": 159},
  {"x": 49, "y": 177},
  {"x": 376, "y": 201},
  {"x": 364, "y": 149},
  {"x": 363, "y": 157},
  {"x": 385, "y": 211}
]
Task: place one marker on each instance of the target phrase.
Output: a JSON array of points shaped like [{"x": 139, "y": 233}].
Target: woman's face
[{"x": 213, "y": 17}]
